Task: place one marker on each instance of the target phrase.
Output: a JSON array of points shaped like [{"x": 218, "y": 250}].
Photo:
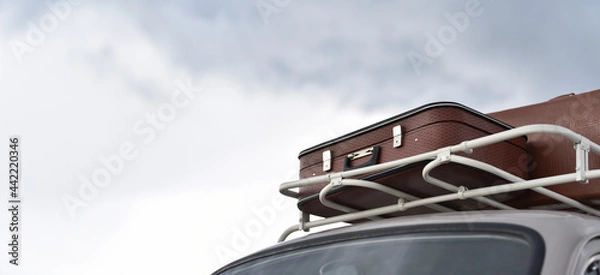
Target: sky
[{"x": 154, "y": 134}]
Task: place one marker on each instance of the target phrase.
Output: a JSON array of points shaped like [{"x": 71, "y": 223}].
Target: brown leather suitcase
[
  {"x": 420, "y": 130},
  {"x": 552, "y": 155}
]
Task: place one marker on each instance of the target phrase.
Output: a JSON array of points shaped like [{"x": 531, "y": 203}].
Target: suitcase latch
[
  {"x": 327, "y": 160},
  {"x": 397, "y": 132},
  {"x": 361, "y": 153}
]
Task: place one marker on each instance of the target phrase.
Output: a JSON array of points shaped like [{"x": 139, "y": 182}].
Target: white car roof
[{"x": 563, "y": 232}]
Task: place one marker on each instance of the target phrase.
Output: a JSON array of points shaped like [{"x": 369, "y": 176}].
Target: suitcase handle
[{"x": 374, "y": 158}]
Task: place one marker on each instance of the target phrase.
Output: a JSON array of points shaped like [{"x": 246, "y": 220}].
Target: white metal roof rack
[{"x": 582, "y": 174}]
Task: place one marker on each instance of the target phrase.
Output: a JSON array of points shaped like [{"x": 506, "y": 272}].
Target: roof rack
[{"x": 582, "y": 174}]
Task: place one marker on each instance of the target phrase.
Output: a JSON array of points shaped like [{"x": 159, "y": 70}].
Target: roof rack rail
[{"x": 582, "y": 174}]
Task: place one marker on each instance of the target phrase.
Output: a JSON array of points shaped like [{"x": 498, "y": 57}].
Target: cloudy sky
[{"x": 154, "y": 134}]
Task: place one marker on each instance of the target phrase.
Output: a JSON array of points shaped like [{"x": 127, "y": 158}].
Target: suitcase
[
  {"x": 420, "y": 130},
  {"x": 552, "y": 155}
]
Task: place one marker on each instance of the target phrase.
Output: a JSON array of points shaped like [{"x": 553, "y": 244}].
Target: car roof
[{"x": 563, "y": 232}]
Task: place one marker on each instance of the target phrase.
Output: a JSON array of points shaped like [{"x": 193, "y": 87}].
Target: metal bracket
[
  {"x": 401, "y": 202},
  {"x": 361, "y": 153},
  {"x": 304, "y": 218},
  {"x": 397, "y": 132},
  {"x": 461, "y": 192},
  {"x": 582, "y": 150},
  {"x": 336, "y": 180},
  {"x": 465, "y": 148},
  {"x": 444, "y": 155},
  {"x": 326, "y": 160}
]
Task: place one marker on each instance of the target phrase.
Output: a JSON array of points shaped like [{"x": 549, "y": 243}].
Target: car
[{"x": 468, "y": 243}]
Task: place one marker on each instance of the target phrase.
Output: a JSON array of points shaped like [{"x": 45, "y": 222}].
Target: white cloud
[{"x": 76, "y": 103}]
